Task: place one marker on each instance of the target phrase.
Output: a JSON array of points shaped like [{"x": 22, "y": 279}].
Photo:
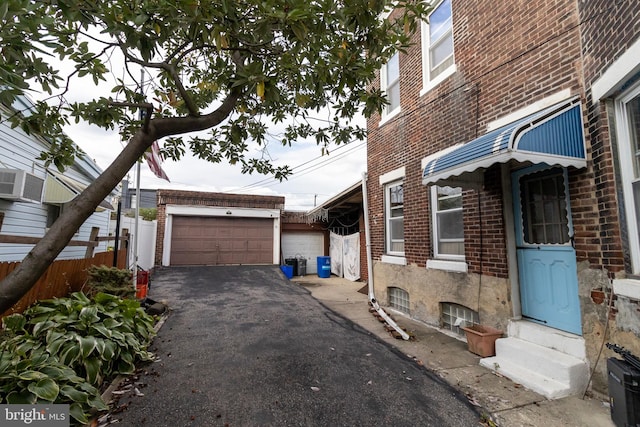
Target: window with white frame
[
  {"x": 394, "y": 214},
  {"x": 390, "y": 84},
  {"x": 437, "y": 45},
  {"x": 448, "y": 231},
  {"x": 628, "y": 126}
]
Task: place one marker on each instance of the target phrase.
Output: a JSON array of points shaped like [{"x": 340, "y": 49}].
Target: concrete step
[
  {"x": 556, "y": 339},
  {"x": 544, "y": 370},
  {"x": 545, "y": 386}
]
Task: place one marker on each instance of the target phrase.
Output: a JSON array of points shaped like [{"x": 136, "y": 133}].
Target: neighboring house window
[
  {"x": 53, "y": 212},
  {"x": 628, "y": 123},
  {"x": 437, "y": 45},
  {"x": 448, "y": 231},
  {"x": 390, "y": 84},
  {"x": 394, "y": 214}
]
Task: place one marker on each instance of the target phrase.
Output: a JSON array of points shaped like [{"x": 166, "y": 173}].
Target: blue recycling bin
[
  {"x": 287, "y": 270},
  {"x": 324, "y": 267}
]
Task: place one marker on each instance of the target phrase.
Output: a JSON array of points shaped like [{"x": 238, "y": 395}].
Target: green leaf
[
  {"x": 92, "y": 366},
  {"x": 110, "y": 349},
  {"x": 74, "y": 394},
  {"x": 14, "y": 322},
  {"x": 87, "y": 344},
  {"x": 59, "y": 372},
  {"x": 21, "y": 397},
  {"x": 53, "y": 347},
  {"x": 97, "y": 403},
  {"x": 89, "y": 314},
  {"x": 46, "y": 389},
  {"x": 31, "y": 375},
  {"x": 70, "y": 353},
  {"x": 78, "y": 414},
  {"x": 42, "y": 327}
]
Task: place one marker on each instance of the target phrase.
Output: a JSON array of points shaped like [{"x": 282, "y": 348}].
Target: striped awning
[
  {"x": 554, "y": 136},
  {"x": 60, "y": 189}
]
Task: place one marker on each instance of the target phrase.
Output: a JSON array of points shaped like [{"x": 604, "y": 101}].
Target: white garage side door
[{"x": 307, "y": 245}]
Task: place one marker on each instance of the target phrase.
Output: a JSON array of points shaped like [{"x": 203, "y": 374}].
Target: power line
[{"x": 304, "y": 171}]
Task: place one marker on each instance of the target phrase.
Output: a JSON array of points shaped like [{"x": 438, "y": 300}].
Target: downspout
[{"x": 372, "y": 298}]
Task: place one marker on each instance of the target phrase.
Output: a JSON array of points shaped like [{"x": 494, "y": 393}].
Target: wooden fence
[{"x": 66, "y": 276}]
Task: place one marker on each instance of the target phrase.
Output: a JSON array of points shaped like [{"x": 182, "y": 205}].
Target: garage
[
  {"x": 308, "y": 245},
  {"x": 200, "y": 240},
  {"x": 198, "y": 228}
]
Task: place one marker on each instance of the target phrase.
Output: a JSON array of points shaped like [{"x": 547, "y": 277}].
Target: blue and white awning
[{"x": 554, "y": 136}]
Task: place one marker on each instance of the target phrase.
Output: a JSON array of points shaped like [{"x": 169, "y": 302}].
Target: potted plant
[{"x": 481, "y": 339}]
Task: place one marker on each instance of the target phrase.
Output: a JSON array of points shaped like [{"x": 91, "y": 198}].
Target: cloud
[{"x": 316, "y": 178}]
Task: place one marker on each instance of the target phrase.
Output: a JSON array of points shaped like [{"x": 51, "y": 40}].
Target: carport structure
[{"x": 199, "y": 228}]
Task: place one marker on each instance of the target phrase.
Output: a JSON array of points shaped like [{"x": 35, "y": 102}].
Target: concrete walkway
[{"x": 509, "y": 404}]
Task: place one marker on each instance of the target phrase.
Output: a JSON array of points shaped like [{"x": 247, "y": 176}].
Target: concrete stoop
[{"x": 545, "y": 360}]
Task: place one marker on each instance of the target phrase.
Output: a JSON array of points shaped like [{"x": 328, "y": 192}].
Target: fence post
[
  {"x": 126, "y": 236},
  {"x": 93, "y": 237}
]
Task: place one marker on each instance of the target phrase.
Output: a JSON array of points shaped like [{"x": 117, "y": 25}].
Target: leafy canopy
[{"x": 232, "y": 67}]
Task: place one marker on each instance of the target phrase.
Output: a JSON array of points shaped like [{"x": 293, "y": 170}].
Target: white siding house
[{"x": 28, "y": 210}]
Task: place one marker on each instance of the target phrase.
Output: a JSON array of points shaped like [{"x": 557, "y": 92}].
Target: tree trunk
[{"x": 22, "y": 279}]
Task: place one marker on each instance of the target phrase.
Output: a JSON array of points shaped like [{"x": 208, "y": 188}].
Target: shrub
[
  {"x": 110, "y": 280},
  {"x": 61, "y": 350}
]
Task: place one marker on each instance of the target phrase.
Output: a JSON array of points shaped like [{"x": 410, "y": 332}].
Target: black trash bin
[
  {"x": 624, "y": 392},
  {"x": 294, "y": 263},
  {"x": 302, "y": 266}
]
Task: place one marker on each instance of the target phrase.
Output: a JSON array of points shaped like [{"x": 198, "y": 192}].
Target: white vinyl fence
[{"x": 146, "y": 240}]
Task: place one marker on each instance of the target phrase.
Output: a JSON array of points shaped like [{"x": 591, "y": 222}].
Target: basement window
[
  {"x": 398, "y": 299},
  {"x": 455, "y": 315}
]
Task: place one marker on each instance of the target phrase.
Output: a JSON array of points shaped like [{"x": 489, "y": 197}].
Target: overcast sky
[{"x": 316, "y": 178}]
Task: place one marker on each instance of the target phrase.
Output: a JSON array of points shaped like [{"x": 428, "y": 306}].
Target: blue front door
[{"x": 546, "y": 257}]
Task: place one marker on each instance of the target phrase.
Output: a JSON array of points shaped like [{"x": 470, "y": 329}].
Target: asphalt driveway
[{"x": 243, "y": 346}]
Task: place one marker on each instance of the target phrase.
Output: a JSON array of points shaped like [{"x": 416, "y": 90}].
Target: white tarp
[
  {"x": 335, "y": 252},
  {"x": 345, "y": 256}
]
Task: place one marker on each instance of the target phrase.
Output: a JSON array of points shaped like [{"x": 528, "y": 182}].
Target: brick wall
[
  {"x": 608, "y": 29},
  {"x": 508, "y": 55}
]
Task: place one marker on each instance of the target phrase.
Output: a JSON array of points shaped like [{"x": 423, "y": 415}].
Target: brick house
[{"x": 502, "y": 182}]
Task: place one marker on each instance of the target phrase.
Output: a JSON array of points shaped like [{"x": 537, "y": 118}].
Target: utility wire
[
  {"x": 270, "y": 182},
  {"x": 263, "y": 182}
]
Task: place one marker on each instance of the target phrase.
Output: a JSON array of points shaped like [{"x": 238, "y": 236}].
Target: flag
[{"x": 154, "y": 160}]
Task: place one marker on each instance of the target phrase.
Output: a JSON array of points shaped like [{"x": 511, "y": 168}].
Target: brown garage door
[{"x": 199, "y": 240}]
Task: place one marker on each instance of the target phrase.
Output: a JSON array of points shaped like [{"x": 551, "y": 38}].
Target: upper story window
[
  {"x": 437, "y": 46},
  {"x": 448, "y": 229},
  {"x": 628, "y": 126},
  {"x": 394, "y": 215},
  {"x": 390, "y": 84}
]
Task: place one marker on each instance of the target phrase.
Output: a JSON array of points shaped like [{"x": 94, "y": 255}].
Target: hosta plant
[
  {"x": 93, "y": 338},
  {"x": 29, "y": 374}
]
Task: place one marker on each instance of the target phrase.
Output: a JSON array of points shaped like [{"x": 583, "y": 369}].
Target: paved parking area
[{"x": 244, "y": 346}]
